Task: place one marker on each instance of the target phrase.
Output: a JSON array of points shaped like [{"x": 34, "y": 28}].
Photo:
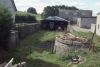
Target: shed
[
  {"x": 85, "y": 22},
  {"x": 53, "y": 22}
]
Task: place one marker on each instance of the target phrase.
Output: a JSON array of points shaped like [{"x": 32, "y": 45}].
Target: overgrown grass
[
  {"x": 33, "y": 51},
  {"x": 92, "y": 60},
  {"x": 88, "y": 35},
  {"x": 36, "y": 51}
]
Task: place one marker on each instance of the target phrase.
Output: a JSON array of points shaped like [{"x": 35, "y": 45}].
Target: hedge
[{"x": 25, "y": 17}]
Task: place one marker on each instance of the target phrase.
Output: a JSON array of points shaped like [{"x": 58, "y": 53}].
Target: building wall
[
  {"x": 85, "y": 13},
  {"x": 72, "y": 15},
  {"x": 98, "y": 25},
  {"x": 93, "y": 27},
  {"x": 86, "y": 22},
  {"x": 67, "y": 14},
  {"x": 9, "y": 5}
]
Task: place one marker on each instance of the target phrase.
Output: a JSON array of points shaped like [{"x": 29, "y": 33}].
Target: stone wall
[
  {"x": 27, "y": 29},
  {"x": 13, "y": 40},
  {"x": 23, "y": 31}
]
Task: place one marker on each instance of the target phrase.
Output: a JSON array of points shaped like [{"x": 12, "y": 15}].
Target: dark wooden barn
[{"x": 53, "y": 23}]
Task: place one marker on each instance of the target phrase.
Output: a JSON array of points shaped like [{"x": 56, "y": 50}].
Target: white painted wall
[
  {"x": 9, "y": 5},
  {"x": 93, "y": 27},
  {"x": 98, "y": 25}
]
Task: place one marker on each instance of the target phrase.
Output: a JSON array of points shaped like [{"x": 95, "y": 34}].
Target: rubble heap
[{"x": 66, "y": 42}]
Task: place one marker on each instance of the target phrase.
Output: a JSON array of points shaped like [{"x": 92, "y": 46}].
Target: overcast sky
[{"x": 23, "y": 5}]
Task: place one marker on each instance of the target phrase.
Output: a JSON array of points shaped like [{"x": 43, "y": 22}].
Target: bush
[
  {"x": 25, "y": 17},
  {"x": 6, "y": 24}
]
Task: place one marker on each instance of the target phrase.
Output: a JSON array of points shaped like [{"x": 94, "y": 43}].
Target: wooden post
[{"x": 92, "y": 46}]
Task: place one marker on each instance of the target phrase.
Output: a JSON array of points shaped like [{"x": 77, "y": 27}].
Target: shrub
[
  {"x": 24, "y": 17},
  {"x": 6, "y": 24}
]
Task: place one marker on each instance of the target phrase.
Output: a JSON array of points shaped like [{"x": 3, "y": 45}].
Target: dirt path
[{"x": 78, "y": 29}]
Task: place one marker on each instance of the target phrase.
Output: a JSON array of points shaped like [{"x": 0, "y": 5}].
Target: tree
[
  {"x": 32, "y": 10},
  {"x": 50, "y": 11},
  {"x": 6, "y": 24},
  {"x": 54, "y": 10}
]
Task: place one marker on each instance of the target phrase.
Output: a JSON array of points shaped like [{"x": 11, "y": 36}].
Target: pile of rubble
[
  {"x": 71, "y": 37},
  {"x": 66, "y": 42}
]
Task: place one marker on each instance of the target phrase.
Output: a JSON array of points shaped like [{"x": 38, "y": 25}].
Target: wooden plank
[{"x": 9, "y": 64}]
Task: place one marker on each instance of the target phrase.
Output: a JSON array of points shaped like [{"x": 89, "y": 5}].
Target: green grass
[
  {"x": 35, "y": 56},
  {"x": 92, "y": 60}
]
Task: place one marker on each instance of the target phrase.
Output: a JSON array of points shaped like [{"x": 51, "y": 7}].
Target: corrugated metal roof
[{"x": 56, "y": 18}]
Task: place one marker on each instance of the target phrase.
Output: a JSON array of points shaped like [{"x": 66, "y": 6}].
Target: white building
[
  {"x": 85, "y": 22},
  {"x": 10, "y": 5},
  {"x": 98, "y": 24}
]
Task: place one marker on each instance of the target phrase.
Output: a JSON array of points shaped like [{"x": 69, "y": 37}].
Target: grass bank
[{"x": 36, "y": 51}]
